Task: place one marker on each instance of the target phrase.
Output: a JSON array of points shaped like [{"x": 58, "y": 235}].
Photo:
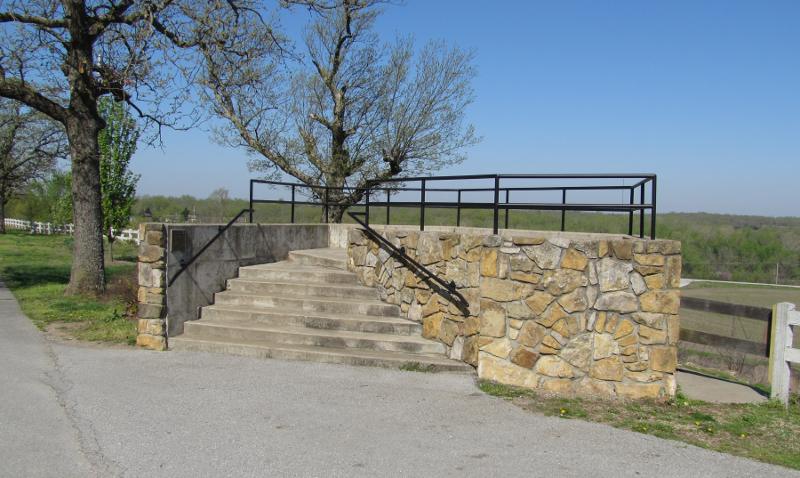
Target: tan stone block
[
  {"x": 519, "y": 310},
  {"x": 625, "y": 328},
  {"x": 575, "y": 301},
  {"x": 470, "y": 352},
  {"x": 604, "y": 346},
  {"x": 600, "y": 322},
  {"x": 539, "y": 301},
  {"x": 662, "y": 301},
  {"x": 513, "y": 334},
  {"x": 153, "y": 342},
  {"x": 664, "y": 247},
  {"x": 524, "y": 357},
  {"x": 607, "y": 369},
  {"x": 655, "y": 281},
  {"x": 635, "y": 365},
  {"x": 150, "y": 326},
  {"x": 515, "y": 323},
  {"x": 628, "y": 340},
  {"x": 149, "y": 311},
  {"x": 589, "y": 387},
  {"x": 545, "y": 350},
  {"x": 150, "y": 253},
  {"x": 155, "y": 238},
  {"x": 141, "y": 295},
  {"x": 664, "y": 358},
  {"x": 619, "y": 301},
  {"x": 553, "y": 366},
  {"x": 563, "y": 281},
  {"x": 673, "y": 329},
  {"x": 423, "y": 295},
  {"x": 649, "y": 259},
  {"x": 489, "y": 262},
  {"x": 629, "y": 350},
  {"x": 493, "y": 319},
  {"x": 673, "y": 271},
  {"x": 529, "y": 277},
  {"x": 500, "y": 348},
  {"x": 638, "y": 391},
  {"x": 552, "y": 315},
  {"x": 602, "y": 248},
  {"x": 623, "y": 249},
  {"x": 561, "y": 327},
  {"x": 502, "y": 371},
  {"x": 551, "y": 343},
  {"x": 650, "y": 336},
  {"x": 527, "y": 240},
  {"x": 578, "y": 352},
  {"x": 574, "y": 259},
  {"x": 545, "y": 255},
  {"x": 432, "y": 326},
  {"x": 560, "y": 386},
  {"x": 656, "y": 321},
  {"x": 644, "y": 377},
  {"x": 431, "y": 307},
  {"x": 647, "y": 270},
  {"x": 612, "y": 321},
  {"x": 531, "y": 334},
  {"x": 449, "y": 331},
  {"x": 472, "y": 325},
  {"x": 504, "y": 290}
]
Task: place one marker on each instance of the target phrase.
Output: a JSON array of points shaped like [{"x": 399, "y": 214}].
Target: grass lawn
[
  {"x": 764, "y": 432},
  {"x": 36, "y": 269}
]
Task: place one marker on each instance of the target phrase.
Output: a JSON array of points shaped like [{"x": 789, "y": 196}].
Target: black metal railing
[
  {"x": 397, "y": 187},
  {"x": 437, "y": 284},
  {"x": 185, "y": 264}
]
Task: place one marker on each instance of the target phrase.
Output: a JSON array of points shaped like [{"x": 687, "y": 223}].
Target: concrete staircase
[{"x": 310, "y": 308}]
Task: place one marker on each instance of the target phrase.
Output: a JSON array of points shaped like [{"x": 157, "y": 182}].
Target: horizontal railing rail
[
  {"x": 380, "y": 193},
  {"x": 761, "y": 314}
]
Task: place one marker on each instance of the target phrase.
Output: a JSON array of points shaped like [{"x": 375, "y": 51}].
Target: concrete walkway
[
  {"x": 68, "y": 410},
  {"x": 709, "y": 389}
]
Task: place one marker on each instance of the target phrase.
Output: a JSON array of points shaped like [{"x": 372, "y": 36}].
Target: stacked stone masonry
[
  {"x": 152, "y": 286},
  {"x": 574, "y": 315}
]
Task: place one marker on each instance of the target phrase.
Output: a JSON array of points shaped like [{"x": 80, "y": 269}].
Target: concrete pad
[{"x": 708, "y": 389}]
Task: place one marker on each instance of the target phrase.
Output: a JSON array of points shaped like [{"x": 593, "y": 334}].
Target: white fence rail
[
  {"x": 35, "y": 227},
  {"x": 782, "y": 352}
]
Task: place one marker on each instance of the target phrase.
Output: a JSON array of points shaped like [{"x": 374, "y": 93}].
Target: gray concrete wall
[{"x": 241, "y": 245}]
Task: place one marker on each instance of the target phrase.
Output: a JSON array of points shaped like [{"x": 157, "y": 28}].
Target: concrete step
[
  {"x": 308, "y": 304},
  {"x": 330, "y": 258},
  {"x": 333, "y": 290},
  {"x": 229, "y": 330},
  {"x": 314, "y": 320},
  {"x": 286, "y": 271},
  {"x": 320, "y": 354}
]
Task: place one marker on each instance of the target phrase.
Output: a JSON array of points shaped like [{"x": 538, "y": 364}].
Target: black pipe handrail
[
  {"x": 444, "y": 287},
  {"x": 376, "y": 187},
  {"x": 185, "y": 264}
]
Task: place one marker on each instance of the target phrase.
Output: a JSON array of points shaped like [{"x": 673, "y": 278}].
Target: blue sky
[{"x": 706, "y": 94}]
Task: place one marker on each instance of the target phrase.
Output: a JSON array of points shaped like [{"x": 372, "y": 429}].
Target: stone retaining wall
[{"x": 566, "y": 313}]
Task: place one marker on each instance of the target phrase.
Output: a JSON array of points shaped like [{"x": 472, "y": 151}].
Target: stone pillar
[{"x": 152, "y": 287}]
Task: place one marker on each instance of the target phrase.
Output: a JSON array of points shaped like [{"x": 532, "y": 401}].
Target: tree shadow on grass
[{"x": 34, "y": 274}]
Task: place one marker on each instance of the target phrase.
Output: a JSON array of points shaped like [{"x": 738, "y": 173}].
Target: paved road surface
[{"x": 68, "y": 410}]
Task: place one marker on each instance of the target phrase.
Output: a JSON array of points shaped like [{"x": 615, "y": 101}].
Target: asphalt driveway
[{"x": 72, "y": 410}]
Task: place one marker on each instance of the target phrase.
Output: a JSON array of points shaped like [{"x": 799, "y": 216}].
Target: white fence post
[
  {"x": 49, "y": 228},
  {"x": 784, "y": 317}
]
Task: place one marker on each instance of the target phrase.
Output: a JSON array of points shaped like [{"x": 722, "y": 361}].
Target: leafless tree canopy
[
  {"x": 351, "y": 109},
  {"x": 30, "y": 145}
]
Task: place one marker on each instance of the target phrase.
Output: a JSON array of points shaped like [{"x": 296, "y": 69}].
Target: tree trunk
[{"x": 87, "y": 274}]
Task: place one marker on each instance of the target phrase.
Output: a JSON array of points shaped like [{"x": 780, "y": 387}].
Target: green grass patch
[
  {"x": 766, "y": 432},
  {"x": 36, "y": 269}
]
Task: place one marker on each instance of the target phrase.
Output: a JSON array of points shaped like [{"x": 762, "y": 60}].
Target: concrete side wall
[{"x": 241, "y": 245}]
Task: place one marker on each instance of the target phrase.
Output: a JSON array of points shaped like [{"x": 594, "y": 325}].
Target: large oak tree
[
  {"x": 353, "y": 110},
  {"x": 61, "y": 56}
]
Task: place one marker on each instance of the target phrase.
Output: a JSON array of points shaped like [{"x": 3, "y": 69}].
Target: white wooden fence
[
  {"x": 782, "y": 352},
  {"x": 35, "y": 227}
]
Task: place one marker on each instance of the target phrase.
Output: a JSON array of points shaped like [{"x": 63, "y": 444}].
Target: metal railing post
[
  {"x": 506, "y": 224},
  {"x": 653, "y": 211},
  {"x": 641, "y": 212},
  {"x": 563, "y": 211},
  {"x": 458, "y": 210},
  {"x": 325, "y": 206},
  {"x": 388, "y": 205},
  {"x": 422, "y": 206},
  {"x": 366, "y": 207},
  {"x": 250, "y": 216},
  {"x": 292, "y": 221},
  {"x": 496, "y": 204},
  {"x": 630, "y": 214}
]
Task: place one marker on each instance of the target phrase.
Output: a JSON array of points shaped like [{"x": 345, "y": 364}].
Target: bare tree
[
  {"x": 355, "y": 110},
  {"x": 30, "y": 145},
  {"x": 60, "y": 57}
]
